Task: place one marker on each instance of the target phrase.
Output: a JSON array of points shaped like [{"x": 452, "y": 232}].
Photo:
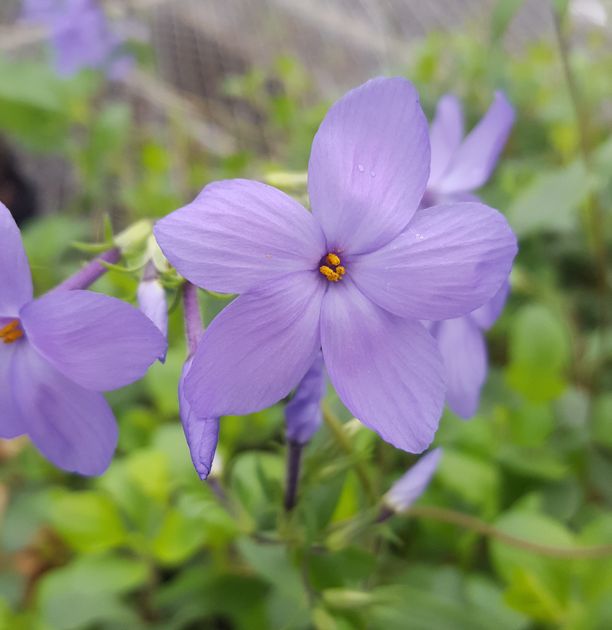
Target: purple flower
[
  {"x": 56, "y": 354},
  {"x": 354, "y": 277},
  {"x": 80, "y": 35},
  {"x": 303, "y": 414},
  {"x": 459, "y": 166},
  {"x": 410, "y": 486}
]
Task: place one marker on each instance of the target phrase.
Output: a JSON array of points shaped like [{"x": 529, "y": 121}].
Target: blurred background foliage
[{"x": 149, "y": 545}]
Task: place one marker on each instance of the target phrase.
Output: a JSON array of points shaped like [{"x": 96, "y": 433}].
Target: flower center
[
  {"x": 11, "y": 332},
  {"x": 331, "y": 267}
]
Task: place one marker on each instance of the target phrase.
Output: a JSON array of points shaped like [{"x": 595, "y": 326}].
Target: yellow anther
[
  {"x": 11, "y": 332},
  {"x": 333, "y": 259},
  {"x": 329, "y": 273},
  {"x": 333, "y": 270}
]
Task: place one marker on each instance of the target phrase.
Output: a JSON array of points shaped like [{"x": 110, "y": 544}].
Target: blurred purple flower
[
  {"x": 56, "y": 354},
  {"x": 410, "y": 486},
  {"x": 354, "y": 277},
  {"x": 80, "y": 35},
  {"x": 303, "y": 414},
  {"x": 458, "y": 167}
]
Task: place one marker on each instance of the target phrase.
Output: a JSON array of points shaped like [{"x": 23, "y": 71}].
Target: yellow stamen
[
  {"x": 333, "y": 270},
  {"x": 11, "y": 332},
  {"x": 333, "y": 259},
  {"x": 329, "y": 273}
]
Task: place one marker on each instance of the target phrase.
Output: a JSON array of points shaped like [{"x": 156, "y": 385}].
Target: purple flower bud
[
  {"x": 202, "y": 434},
  {"x": 303, "y": 412},
  {"x": 408, "y": 488},
  {"x": 152, "y": 302}
]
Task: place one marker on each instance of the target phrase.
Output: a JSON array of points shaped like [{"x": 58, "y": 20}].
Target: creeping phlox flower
[
  {"x": 80, "y": 35},
  {"x": 57, "y": 353},
  {"x": 354, "y": 277},
  {"x": 303, "y": 414},
  {"x": 411, "y": 485},
  {"x": 458, "y": 167}
]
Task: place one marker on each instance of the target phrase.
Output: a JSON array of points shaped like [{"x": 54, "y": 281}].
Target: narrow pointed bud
[
  {"x": 202, "y": 434},
  {"x": 408, "y": 488},
  {"x": 303, "y": 415}
]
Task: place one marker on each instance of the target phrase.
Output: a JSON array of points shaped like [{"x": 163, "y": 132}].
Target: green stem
[
  {"x": 485, "y": 529},
  {"x": 595, "y": 213},
  {"x": 337, "y": 430}
]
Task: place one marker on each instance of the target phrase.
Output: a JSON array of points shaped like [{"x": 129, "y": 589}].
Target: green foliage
[{"x": 150, "y": 545}]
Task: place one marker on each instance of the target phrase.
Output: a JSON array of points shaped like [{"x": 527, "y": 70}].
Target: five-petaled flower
[
  {"x": 353, "y": 278},
  {"x": 80, "y": 36},
  {"x": 57, "y": 353},
  {"x": 458, "y": 167}
]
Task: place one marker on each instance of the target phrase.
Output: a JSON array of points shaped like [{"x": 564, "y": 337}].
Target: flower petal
[
  {"x": 15, "y": 277},
  {"x": 487, "y": 314},
  {"x": 411, "y": 485},
  {"x": 476, "y": 158},
  {"x": 238, "y": 235},
  {"x": 369, "y": 165},
  {"x": 71, "y": 426},
  {"x": 387, "y": 370},
  {"x": 303, "y": 415},
  {"x": 465, "y": 360},
  {"x": 450, "y": 260},
  {"x": 445, "y": 134},
  {"x": 258, "y": 348},
  {"x": 11, "y": 424},
  {"x": 98, "y": 342},
  {"x": 202, "y": 434}
]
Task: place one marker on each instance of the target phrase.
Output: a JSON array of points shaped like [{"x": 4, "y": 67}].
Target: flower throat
[
  {"x": 11, "y": 332},
  {"x": 331, "y": 267}
]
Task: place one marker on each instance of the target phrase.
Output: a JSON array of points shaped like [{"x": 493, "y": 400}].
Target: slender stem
[
  {"x": 194, "y": 327},
  {"x": 337, "y": 430},
  {"x": 91, "y": 272},
  {"x": 595, "y": 213},
  {"x": 481, "y": 527},
  {"x": 294, "y": 460}
]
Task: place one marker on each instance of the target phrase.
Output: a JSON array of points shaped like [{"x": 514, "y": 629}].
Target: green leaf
[
  {"x": 539, "y": 586},
  {"x": 474, "y": 479},
  {"x": 30, "y": 84},
  {"x": 257, "y": 481},
  {"x": 503, "y": 12},
  {"x": 539, "y": 351},
  {"x": 602, "y": 420},
  {"x": 287, "y": 603},
  {"x": 179, "y": 537},
  {"x": 87, "y": 592},
  {"x": 551, "y": 202},
  {"x": 88, "y": 521}
]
